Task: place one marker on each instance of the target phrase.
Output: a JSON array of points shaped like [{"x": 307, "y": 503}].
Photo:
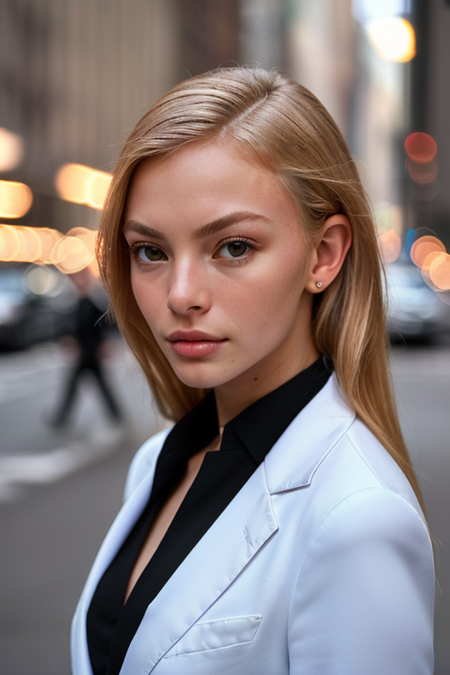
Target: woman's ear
[{"x": 329, "y": 254}]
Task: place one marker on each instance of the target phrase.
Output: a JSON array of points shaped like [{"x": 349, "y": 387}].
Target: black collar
[
  {"x": 260, "y": 425},
  {"x": 257, "y": 427}
]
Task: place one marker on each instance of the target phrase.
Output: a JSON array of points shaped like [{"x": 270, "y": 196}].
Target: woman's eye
[
  {"x": 234, "y": 249},
  {"x": 150, "y": 254}
]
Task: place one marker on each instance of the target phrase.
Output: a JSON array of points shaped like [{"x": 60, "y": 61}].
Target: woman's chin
[{"x": 200, "y": 378}]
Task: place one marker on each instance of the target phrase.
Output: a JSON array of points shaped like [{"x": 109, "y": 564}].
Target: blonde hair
[{"x": 275, "y": 119}]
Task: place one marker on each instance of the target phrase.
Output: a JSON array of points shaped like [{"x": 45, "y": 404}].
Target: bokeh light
[
  {"x": 15, "y": 199},
  {"x": 27, "y": 244},
  {"x": 94, "y": 268},
  {"x": 11, "y": 150},
  {"x": 391, "y": 245},
  {"x": 393, "y": 38},
  {"x": 48, "y": 238},
  {"x": 88, "y": 237},
  {"x": 41, "y": 245},
  {"x": 41, "y": 280},
  {"x": 421, "y": 147},
  {"x": 82, "y": 185},
  {"x": 423, "y": 246},
  {"x": 440, "y": 271},
  {"x": 9, "y": 243},
  {"x": 30, "y": 246},
  {"x": 422, "y": 173},
  {"x": 70, "y": 254},
  {"x": 429, "y": 259}
]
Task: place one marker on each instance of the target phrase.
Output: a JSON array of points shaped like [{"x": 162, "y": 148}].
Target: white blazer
[{"x": 321, "y": 565}]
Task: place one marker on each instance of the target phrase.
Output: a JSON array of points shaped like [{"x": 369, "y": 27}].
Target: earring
[{"x": 319, "y": 284}]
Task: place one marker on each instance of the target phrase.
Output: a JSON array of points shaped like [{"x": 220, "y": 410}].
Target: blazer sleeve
[{"x": 364, "y": 600}]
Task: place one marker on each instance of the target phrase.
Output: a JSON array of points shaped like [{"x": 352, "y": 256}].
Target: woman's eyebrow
[
  {"x": 203, "y": 231},
  {"x": 134, "y": 226},
  {"x": 226, "y": 221}
]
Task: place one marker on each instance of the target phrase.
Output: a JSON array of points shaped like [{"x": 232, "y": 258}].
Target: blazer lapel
[
  {"x": 239, "y": 532},
  {"x": 295, "y": 457}
]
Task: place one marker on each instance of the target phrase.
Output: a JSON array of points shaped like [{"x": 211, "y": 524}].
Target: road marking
[{"x": 50, "y": 467}]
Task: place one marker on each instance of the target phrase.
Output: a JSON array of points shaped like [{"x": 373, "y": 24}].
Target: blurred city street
[
  {"x": 32, "y": 452},
  {"x": 54, "y": 515}
]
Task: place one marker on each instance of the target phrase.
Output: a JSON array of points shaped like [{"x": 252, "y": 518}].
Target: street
[{"x": 60, "y": 491}]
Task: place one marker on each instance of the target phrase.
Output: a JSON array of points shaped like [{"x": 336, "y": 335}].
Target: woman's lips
[
  {"x": 194, "y": 344},
  {"x": 195, "y": 349}
]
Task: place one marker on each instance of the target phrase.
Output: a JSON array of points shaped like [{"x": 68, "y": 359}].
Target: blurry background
[{"x": 75, "y": 76}]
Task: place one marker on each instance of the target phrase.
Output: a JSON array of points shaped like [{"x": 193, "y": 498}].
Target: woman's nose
[{"x": 188, "y": 290}]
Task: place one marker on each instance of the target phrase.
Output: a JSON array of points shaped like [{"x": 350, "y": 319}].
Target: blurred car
[
  {"x": 414, "y": 311},
  {"x": 36, "y": 305}
]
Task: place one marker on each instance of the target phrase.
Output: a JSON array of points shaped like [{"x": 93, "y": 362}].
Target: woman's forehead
[{"x": 203, "y": 182}]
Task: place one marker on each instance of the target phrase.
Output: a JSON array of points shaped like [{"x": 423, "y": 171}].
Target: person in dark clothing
[{"x": 89, "y": 337}]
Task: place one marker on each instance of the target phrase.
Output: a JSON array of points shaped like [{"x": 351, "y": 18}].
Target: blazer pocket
[{"x": 209, "y": 635}]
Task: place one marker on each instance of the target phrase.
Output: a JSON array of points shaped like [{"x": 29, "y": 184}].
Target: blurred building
[
  {"x": 76, "y": 75},
  {"x": 430, "y": 112}
]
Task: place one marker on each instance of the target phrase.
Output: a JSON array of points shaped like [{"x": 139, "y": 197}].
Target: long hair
[{"x": 275, "y": 120}]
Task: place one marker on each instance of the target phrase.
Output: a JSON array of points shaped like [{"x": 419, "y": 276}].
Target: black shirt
[{"x": 246, "y": 440}]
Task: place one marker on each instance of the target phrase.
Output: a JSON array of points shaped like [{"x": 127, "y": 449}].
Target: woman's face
[{"x": 218, "y": 268}]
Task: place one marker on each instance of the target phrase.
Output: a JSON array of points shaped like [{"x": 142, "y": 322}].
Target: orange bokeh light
[
  {"x": 440, "y": 272},
  {"x": 82, "y": 185},
  {"x": 98, "y": 188},
  {"x": 429, "y": 259},
  {"x": 30, "y": 244},
  {"x": 88, "y": 237},
  {"x": 48, "y": 238},
  {"x": 9, "y": 243},
  {"x": 94, "y": 268},
  {"x": 19, "y": 244},
  {"x": 393, "y": 38},
  {"x": 27, "y": 244},
  {"x": 423, "y": 246},
  {"x": 421, "y": 147},
  {"x": 391, "y": 246},
  {"x": 70, "y": 254},
  {"x": 15, "y": 199}
]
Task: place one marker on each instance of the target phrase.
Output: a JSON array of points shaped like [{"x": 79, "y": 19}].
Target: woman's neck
[{"x": 235, "y": 396}]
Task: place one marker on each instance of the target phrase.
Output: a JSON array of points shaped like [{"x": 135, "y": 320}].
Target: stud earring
[{"x": 319, "y": 284}]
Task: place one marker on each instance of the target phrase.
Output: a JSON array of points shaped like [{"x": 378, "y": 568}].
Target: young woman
[{"x": 277, "y": 527}]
